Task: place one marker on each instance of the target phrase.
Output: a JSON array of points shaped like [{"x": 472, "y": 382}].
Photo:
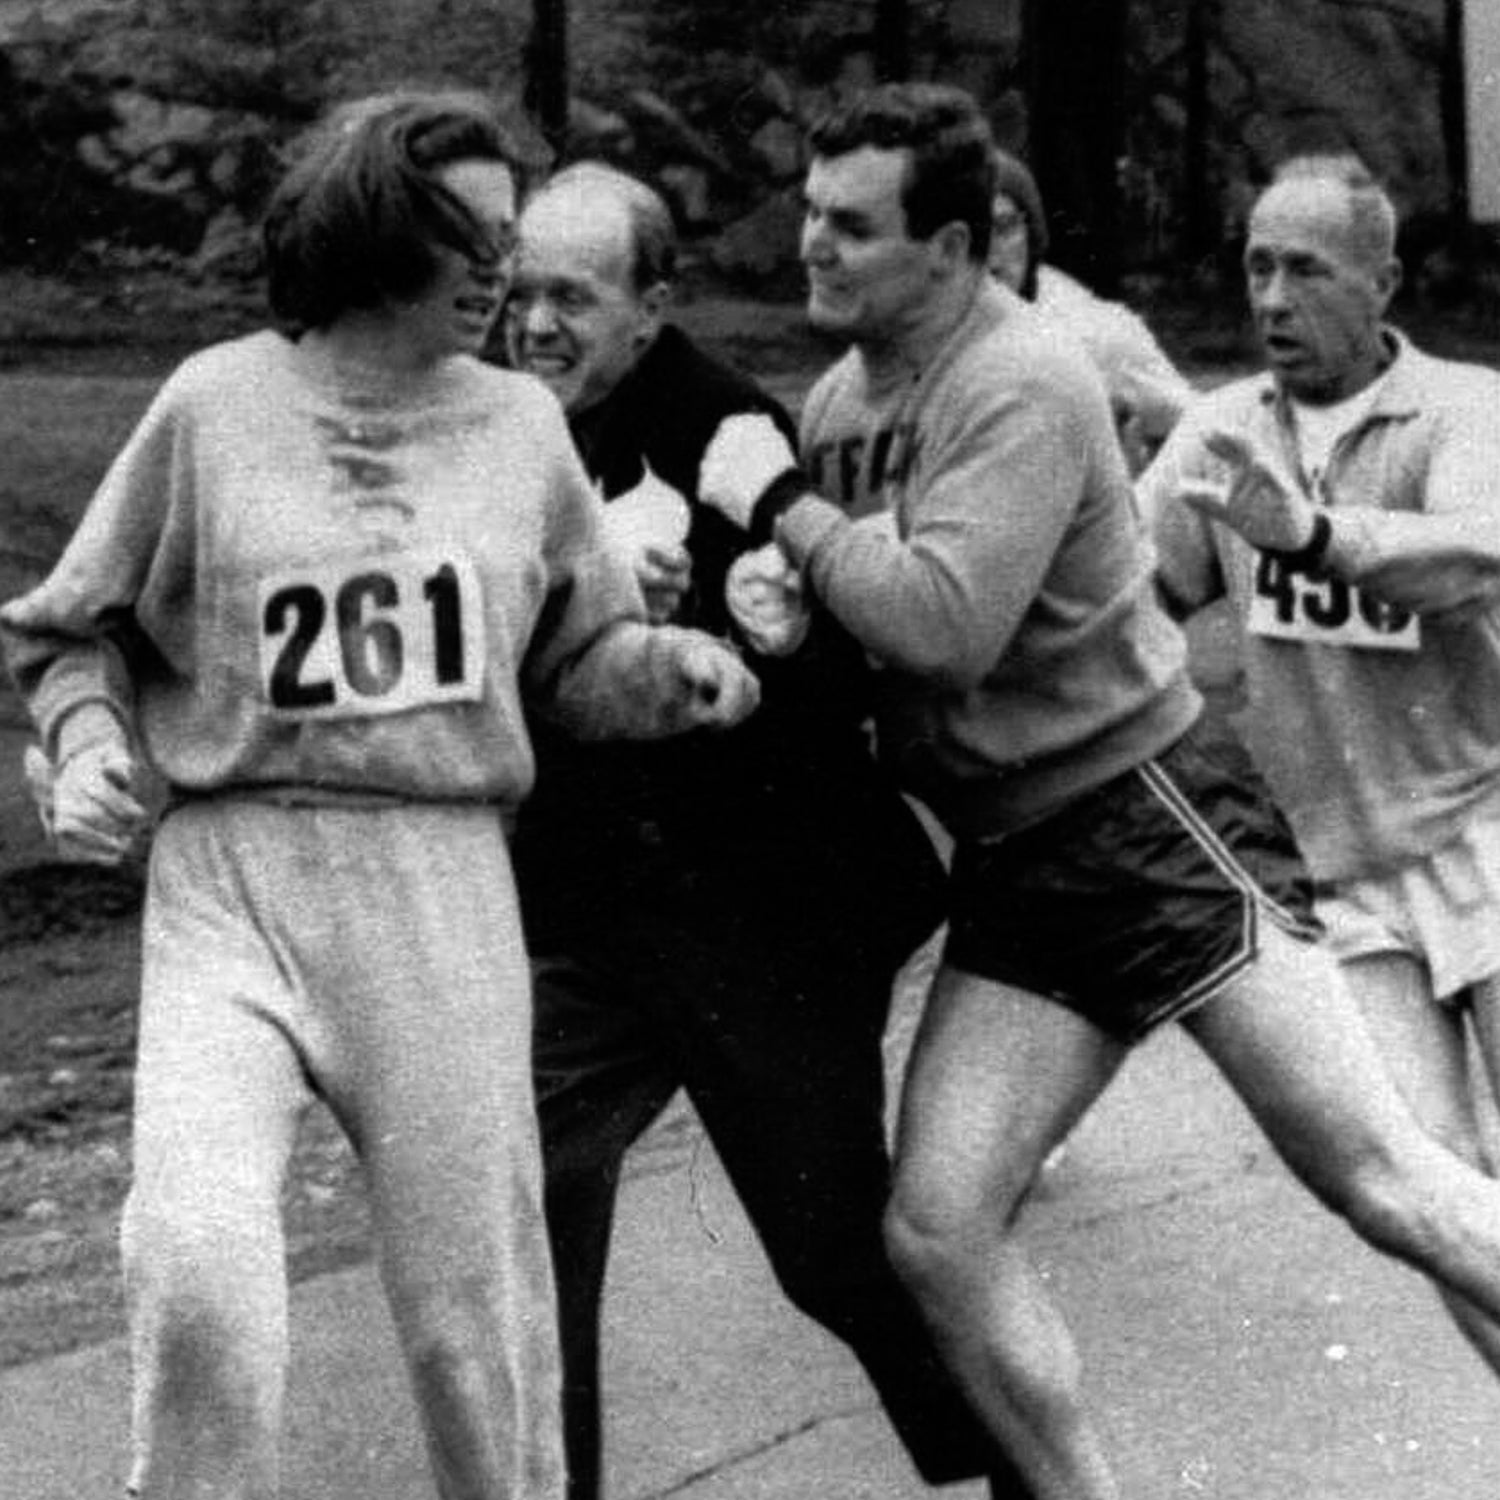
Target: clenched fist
[
  {"x": 720, "y": 689},
  {"x": 88, "y": 805},
  {"x": 765, "y": 599}
]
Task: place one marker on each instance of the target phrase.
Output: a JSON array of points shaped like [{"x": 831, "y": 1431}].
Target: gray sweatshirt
[{"x": 1025, "y": 657}]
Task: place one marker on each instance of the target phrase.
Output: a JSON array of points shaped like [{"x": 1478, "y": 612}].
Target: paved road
[{"x": 1242, "y": 1344}]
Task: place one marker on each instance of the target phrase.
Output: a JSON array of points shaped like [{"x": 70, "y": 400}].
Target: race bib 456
[
  {"x": 373, "y": 636},
  {"x": 1319, "y": 609}
]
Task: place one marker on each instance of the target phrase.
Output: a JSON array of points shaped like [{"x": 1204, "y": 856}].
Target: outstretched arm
[
  {"x": 1433, "y": 561},
  {"x": 639, "y": 681},
  {"x": 595, "y": 666},
  {"x": 943, "y": 601}
]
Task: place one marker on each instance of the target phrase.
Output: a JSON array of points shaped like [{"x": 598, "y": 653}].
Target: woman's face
[
  {"x": 1010, "y": 242},
  {"x": 454, "y": 313}
]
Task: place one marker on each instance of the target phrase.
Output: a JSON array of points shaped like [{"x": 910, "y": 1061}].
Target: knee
[
  {"x": 1382, "y": 1198},
  {"x": 938, "y": 1246},
  {"x": 456, "y": 1346},
  {"x": 208, "y": 1267},
  {"x": 971, "y": 1278},
  {"x": 205, "y": 1366},
  {"x": 488, "y": 1387},
  {"x": 448, "y": 1373}
]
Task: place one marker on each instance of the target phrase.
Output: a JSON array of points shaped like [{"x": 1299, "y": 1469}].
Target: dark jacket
[{"x": 792, "y": 795}]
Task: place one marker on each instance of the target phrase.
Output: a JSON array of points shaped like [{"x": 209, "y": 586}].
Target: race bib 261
[
  {"x": 373, "y": 636},
  {"x": 1319, "y": 609}
]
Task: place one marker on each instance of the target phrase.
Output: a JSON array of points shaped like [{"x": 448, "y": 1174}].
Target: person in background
[
  {"x": 723, "y": 914},
  {"x": 1346, "y": 501},
  {"x": 312, "y": 592},
  {"x": 981, "y": 539},
  {"x": 1147, "y": 391}
]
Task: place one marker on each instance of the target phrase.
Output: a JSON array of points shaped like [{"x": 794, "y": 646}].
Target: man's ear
[
  {"x": 653, "y": 303},
  {"x": 950, "y": 246},
  {"x": 1388, "y": 281}
]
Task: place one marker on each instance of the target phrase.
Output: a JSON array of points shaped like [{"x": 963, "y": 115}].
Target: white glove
[
  {"x": 742, "y": 458},
  {"x": 647, "y": 527},
  {"x": 88, "y": 805},
  {"x": 764, "y": 594},
  {"x": 721, "y": 689},
  {"x": 1259, "y": 499}
]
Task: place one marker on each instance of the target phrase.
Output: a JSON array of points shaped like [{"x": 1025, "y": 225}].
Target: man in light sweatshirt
[
  {"x": 965, "y": 512},
  {"x": 1371, "y": 675}
]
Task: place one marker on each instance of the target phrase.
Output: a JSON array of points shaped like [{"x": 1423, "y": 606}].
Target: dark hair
[
  {"x": 653, "y": 232},
  {"x": 356, "y": 219},
  {"x": 1013, "y": 178},
  {"x": 951, "y": 173}
]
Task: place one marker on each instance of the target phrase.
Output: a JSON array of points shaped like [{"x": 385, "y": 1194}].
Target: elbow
[
  {"x": 950, "y": 646},
  {"x": 946, "y": 661}
]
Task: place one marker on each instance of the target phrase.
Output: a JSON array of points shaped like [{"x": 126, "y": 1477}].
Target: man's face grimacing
[
  {"x": 574, "y": 317},
  {"x": 1317, "y": 294},
  {"x": 867, "y": 278}
]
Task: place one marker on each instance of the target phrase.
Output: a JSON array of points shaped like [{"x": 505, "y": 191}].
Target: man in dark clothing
[{"x": 725, "y": 913}]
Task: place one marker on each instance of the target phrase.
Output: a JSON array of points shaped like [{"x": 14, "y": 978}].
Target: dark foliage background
[{"x": 140, "y": 136}]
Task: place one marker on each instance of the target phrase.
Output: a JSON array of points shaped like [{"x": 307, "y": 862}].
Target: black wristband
[
  {"x": 1308, "y": 558},
  {"x": 781, "y": 494}
]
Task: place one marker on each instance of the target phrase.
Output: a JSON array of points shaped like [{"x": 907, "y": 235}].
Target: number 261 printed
[{"x": 380, "y": 636}]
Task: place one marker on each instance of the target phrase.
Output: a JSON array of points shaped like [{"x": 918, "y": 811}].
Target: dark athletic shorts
[{"x": 1137, "y": 902}]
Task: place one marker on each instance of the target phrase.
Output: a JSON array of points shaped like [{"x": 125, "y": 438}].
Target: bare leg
[
  {"x": 997, "y": 1077},
  {"x": 1423, "y": 1045},
  {"x": 1290, "y": 1039}
]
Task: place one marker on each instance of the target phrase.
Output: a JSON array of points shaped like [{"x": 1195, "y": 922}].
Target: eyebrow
[{"x": 841, "y": 217}]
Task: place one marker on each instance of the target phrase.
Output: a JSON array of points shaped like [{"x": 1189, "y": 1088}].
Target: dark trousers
[{"x": 775, "y": 1033}]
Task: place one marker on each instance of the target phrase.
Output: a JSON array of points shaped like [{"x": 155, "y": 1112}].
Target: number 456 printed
[
  {"x": 1292, "y": 604},
  {"x": 374, "y": 636}
]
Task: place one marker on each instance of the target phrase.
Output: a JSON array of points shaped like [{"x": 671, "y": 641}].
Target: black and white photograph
[{"x": 749, "y": 751}]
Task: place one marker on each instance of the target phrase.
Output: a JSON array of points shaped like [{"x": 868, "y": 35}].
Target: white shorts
[{"x": 1443, "y": 910}]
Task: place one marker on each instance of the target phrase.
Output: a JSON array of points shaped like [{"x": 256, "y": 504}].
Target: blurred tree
[
  {"x": 272, "y": 57},
  {"x": 547, "y": 75},
  {"x": 1455, "y": 118},
  {"x": 1073, "y": 63},
  {"x": 1201, "y": 226},
  {"x": 891, "y": 39}
]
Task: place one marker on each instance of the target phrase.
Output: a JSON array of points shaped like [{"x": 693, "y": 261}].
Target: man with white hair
[{"x": 1347, "y": 501}]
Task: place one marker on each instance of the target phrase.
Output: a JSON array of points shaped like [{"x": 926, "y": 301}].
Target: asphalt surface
[{"x": 1241, "y": 1343}]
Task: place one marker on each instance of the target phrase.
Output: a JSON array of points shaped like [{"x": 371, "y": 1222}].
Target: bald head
[
  {"x": 592, "y": 187},
  {"x": 597, "y": 252},
  {"x": 1352, "y": 212},
  {"x": 1321, "y": 270}
]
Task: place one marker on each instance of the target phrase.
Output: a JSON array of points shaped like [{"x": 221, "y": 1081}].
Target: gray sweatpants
[{"x": 372, "y": 958}]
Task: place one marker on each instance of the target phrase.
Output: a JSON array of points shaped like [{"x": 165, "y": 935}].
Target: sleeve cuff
[
  {"x": 779, "y": 496},
  {"x": 89, "y": 723},
  {"x": 1309, "y": 558}
]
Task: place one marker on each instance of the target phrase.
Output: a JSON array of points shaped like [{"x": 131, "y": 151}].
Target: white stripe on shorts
[{"x": 1255, "y": 899}]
